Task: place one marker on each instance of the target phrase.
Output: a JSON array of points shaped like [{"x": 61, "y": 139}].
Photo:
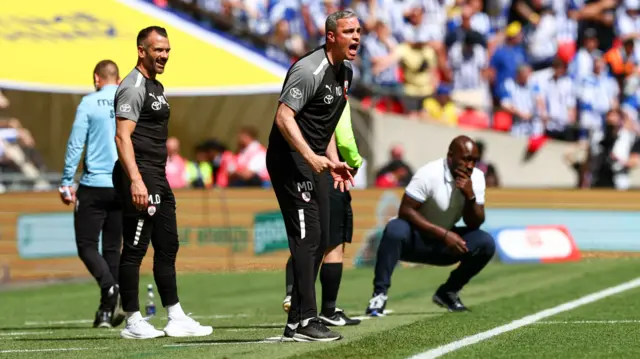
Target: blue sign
[
  {"x": 46, "y": 235},
  {"x": 592, "y": 230}
]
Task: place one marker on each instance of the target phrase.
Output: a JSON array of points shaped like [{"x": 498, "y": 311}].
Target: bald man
[
  {"x": 438, "y": 196},
  {"x": 97, "y": 208}
]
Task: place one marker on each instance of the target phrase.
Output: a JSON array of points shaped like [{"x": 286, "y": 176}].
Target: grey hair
[{"x": 331, "y": 24}]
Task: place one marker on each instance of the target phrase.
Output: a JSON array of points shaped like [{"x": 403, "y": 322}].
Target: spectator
[
  {"x": 220, "y": 159},
  {"x": 507, "y": 58},
  {"x": 419, "y": 65},
  {"x": 380, "y": 52},
  {"x": 598, "y": 94},
  {"x": 517, "y": 99},
  {"x": 542, "y": 40},
  {"x": 465, "y": 24},
  {"x": 468, "y": 62},
  {"x": 599, "y": 15},
  {"x": 556, "y": 104},
  {"x": 614, "y": 155},
  {"x": 200, "y": 171},
  {"x": 402, "y": 172},
  {"x": 249, "y": 167},
  {"x": 176, "y": 165},
  {"x": 582, "y": 64},
  {"x": 393, "y": 177},
  {"x": 490, "y": 173},
  {"x": 440, "y": 108}
]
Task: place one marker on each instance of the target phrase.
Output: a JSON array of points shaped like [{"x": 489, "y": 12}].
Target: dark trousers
[
  {"x": 157, "y": 225},
  {"x": 303, "y": 197},
  {"x": 401, "y": 242},
  {"x": 98, "y": 210}
]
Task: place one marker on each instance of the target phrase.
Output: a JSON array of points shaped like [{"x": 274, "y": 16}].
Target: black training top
[
  {"x": 317, "y": 92},
  {"x": 142, "y": 100}
]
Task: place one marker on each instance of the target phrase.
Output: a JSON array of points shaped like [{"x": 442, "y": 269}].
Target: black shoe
[
  {"x": 338, "y": 319},
  {"x": 315, "y": 331},
  {"x": 449, "y": 301},
  {"x": 103, "y": 319},
  {"x": 117, "y": 314},
  {"x": 288, "y": 334}
]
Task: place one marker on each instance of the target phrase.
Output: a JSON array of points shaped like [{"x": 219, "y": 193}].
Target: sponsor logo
[
  {"x": 156, "y": 105},
  {"x": 295, "y": 93},
  {"x": 270, "y": 234},
  {"x": 529, "y": 244},
  {"x": 125, "y": 107},
  {"x": 328, "y": 99}
]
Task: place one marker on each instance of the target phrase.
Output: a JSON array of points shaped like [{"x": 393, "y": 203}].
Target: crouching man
[{"x": 439, "y": 194}]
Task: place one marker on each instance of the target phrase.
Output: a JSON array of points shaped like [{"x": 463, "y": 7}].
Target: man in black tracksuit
[{"x": 301, "y": 148}]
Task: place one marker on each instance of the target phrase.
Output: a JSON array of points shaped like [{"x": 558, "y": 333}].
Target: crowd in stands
[
  {"x": 537, "y": 69},
  {"x": 214, "y": 165},
  {"x": 18, "y": 154}
]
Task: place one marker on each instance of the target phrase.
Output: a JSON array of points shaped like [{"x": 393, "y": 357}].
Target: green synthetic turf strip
[{"x": 249, "y": 309}]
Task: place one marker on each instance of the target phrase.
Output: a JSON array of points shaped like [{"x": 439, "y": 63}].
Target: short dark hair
[
  {"x": 144, "y": 33},
  {"x": 106, "y": 69},
  {"x": 331, "y": 24}
]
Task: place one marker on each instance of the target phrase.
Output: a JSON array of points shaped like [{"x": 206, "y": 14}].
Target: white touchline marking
[
  {"x": 11, "y": 334},
  {"x": 78, "y": 321},
  {"x": 266, "y": 341},
  {"x": 48, "y": 350},
  {"x": 625, "y": 321},
  {"x": 84, "y": 321},
  {"x": 530, "y": 319}
]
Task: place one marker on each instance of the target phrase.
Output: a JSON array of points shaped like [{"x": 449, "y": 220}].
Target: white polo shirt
[{"x": 434, "y": 187}]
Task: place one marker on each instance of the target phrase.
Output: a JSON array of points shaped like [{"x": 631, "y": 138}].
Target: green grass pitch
[{"x": 53, "y": 321}]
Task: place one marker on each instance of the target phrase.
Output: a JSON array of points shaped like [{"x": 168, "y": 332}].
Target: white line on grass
[
  {"x": 624, "y": 321},
  {"x": 47, "y": 350},
  {"x": 12, "y": 334},
  {"x": 530, "y": 319},
  {"x": 220, "y": 343},
  {"x": 84, "y": 321}
]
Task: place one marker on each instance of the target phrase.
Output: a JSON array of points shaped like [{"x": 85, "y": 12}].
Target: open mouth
[{"x": 353, "y": 48}]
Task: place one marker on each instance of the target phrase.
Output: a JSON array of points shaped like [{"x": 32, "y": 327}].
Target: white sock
[
  {"x": 175, "y": 311},
  {"x": 305, "y": 322},
  {"x": 133, "y": 316}
]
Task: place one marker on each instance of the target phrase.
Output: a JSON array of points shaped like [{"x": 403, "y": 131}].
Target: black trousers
[
  {"x": 98, "y": 210},
  {"x": 156, "y": 225},
  {"x": 303, "y": 197},
  {"x": 402, "y": 242}
]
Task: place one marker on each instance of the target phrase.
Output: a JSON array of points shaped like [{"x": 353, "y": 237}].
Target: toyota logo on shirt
[{"x": 328, "y": 99}]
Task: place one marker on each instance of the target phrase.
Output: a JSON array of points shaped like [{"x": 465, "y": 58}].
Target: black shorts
[{"x": 341, "y": 216}]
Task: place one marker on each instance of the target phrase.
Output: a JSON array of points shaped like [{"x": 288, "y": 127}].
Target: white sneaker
[
  {"x": 286, "y": 303},
  {"x": 186, "y": 327},
  {"x": 140, "y": 329}
]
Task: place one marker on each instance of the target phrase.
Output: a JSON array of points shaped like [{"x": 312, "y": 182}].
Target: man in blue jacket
[{"x": 97, "y": 208}]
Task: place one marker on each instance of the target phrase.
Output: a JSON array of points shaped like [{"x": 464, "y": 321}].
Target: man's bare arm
[
  {"x": 124, "y": 129},
  {"x": 409, "y": 212},
  {"x": 286, "y": 122},
  {"x": 332, "y": 150}
]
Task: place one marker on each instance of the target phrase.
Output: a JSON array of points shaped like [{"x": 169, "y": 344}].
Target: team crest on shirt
[
  {"x": 346, "y": 88},
  {"x": 306, "y": 196},
  {"x": 151, "y": 210}
]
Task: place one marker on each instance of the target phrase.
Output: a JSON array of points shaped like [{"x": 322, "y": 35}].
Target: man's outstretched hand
[{"x": 342, "y": 177}]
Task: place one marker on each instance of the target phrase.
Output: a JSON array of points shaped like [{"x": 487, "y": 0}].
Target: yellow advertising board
[{"x": 53, "y": 46}]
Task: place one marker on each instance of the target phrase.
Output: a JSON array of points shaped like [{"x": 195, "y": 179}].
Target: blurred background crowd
[
  {"x": 565, "y": 70},
  {"x": 539, "y": 69}
]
